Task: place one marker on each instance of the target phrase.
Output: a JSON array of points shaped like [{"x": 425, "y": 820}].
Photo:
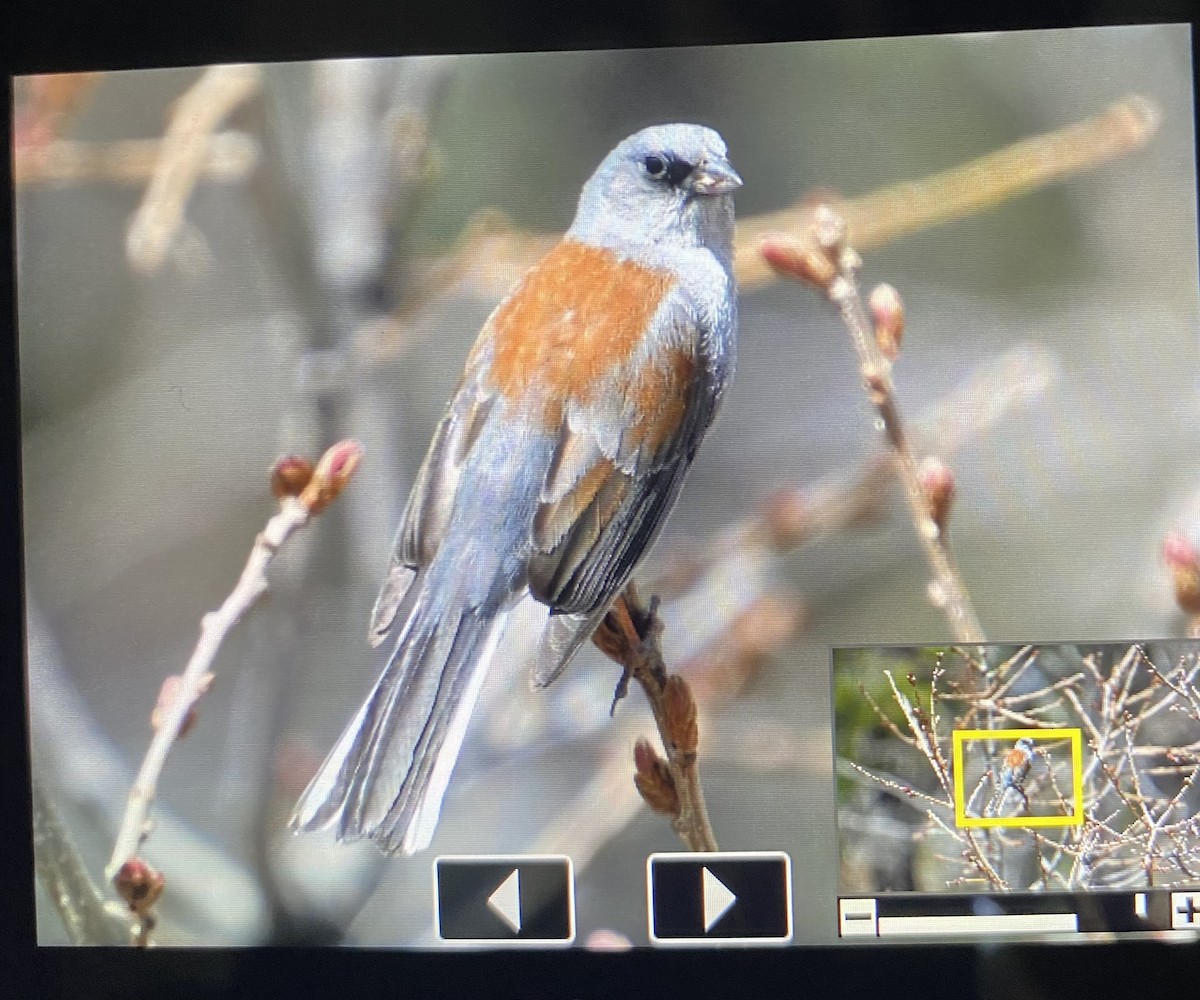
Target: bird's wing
[
  {"x": 618, "y": 464},
  {"x": 423, "y": 524}
]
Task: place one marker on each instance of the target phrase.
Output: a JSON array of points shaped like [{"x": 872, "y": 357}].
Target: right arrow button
[
  {"x": 714, "y": 899},
  {"x": 717, "y": 899}
]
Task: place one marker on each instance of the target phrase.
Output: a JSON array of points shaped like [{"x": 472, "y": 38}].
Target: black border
[
  {"x": 43, "y": 36},
  {"x": 49, "y": 36}
]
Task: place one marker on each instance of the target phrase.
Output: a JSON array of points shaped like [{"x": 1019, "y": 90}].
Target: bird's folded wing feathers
[
  {"x": 618, "y": 466},
  {"x": 427, "y": 514}
]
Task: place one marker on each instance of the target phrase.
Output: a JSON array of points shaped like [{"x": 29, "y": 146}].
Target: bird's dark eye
[{"x": 655, "y": 166}]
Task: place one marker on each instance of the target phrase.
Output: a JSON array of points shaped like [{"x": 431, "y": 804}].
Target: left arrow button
[
  {"x": 506, "y": 900},
  {"x": 509, "y": 899}
]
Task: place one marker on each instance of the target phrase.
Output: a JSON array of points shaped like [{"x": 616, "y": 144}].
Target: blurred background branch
[
  {"x": 85, "y": 915},
  {"x": 182, "y": 156}
]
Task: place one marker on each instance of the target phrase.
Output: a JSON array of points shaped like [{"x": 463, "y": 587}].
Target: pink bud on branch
[
  {"x": 1184, "y": 563},
  {"x": 303, "y": 491},
  {"x": 798, "y": 259},
  {"x": 937, "y": 483},
  {"x": 138, "y": 885},
  {"x": 333, "y": 472},
  {"x": 887, "y": 315}
]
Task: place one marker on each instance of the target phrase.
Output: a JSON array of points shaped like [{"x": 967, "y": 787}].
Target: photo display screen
[{"x": 711, "y": 497}]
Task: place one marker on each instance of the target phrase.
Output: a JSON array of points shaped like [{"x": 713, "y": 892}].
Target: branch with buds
[
  {"x": 629, "y": 635},
  {"x": 823, "y": 258},
  {"x": 303, "y": 492}
]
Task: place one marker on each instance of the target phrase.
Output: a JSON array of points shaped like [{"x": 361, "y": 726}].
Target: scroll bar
[{"x": 979, "y": 923}]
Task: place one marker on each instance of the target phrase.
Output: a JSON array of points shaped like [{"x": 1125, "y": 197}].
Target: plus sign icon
[{"x": 1185, "y": 910}]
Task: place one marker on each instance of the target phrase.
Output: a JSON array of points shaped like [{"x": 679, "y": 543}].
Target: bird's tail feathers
[{"x": 387, "y": 775}]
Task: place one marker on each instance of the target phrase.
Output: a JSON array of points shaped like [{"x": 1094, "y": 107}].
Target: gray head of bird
[{"x": 667, "y": 185}]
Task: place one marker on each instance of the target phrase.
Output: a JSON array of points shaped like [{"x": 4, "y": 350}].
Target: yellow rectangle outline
[{"x": 961, "y": 819}]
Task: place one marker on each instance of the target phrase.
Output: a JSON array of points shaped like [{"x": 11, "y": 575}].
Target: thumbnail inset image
[
  {"x": 1002, "y": 767},
  {"x": 1018, "y": 777}
]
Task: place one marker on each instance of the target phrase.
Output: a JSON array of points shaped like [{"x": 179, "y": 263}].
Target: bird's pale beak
[{"x": 714, "y": 175}]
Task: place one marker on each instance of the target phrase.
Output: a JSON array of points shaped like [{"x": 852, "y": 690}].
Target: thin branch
[
  {"x": 629, "y": 635},
  {"x": 88, "y": 919},
  {"x": 925, "y": 739},
  {"x": 947, "y": 591},
  {"x": 973, "y": 851},
  {"x": 184, "y": 150},
  {"x": 824, "y": 259},
  {"x": 304, "y": 492},
  {"x": 226, "y": 156},
  {"x": 902, "y": 791}
]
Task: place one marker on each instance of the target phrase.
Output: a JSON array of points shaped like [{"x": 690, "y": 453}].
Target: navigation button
[
  {"x": 858, "y": 918},
  {"x": 1185, "y": 910},
  {"x": 720, "y": 898},
  {"x": 717, "y": 899},
  {"x": 504, "y": 899}
]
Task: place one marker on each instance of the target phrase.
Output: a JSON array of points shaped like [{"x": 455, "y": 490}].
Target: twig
[
  {"x": 1185, "y": 689},
  {"x": 184, "y": 149},
  {"x": 1011, "y": 671},
  {"x": 947, "y": 590},
  {"x": 303, "y": 493},
  {"x": 901, "y": 791},
  {"x": 226, "y": 156},
  {"x": 926, "y": 740},
  {"x": 825, "y": 260},
  {"x": 85, "y": 915},
  {"x": 1018, "y": 699},
  {"x": 973, "y": 851},
  {"x": 715, "y": 675},
  {"x": 885, "y": 720},
  {"x": 91, "y": 788},
  {"x": 629, "y": 635}
]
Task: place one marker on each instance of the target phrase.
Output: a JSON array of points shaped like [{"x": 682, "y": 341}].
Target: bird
[
  {"x": 560, "y": 454},
  {"x": 1018, "y": 760},
  {"x": 1015, "y": 765}
]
